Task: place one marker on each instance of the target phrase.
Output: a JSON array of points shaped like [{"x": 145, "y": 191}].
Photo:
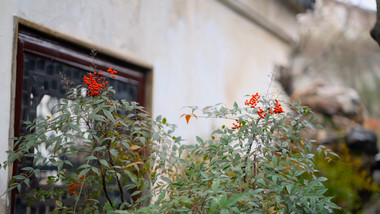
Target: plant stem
[
  {"x": 248, "y": 154},
  {"x": 117, "y": 178},
  {"x": 105, "y": 186}
]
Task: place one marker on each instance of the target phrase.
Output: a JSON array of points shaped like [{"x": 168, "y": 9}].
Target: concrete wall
[{"x": 201, "y": 52}]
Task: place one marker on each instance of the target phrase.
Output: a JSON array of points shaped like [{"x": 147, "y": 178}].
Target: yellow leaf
[
  {"x": 134, "y": 147},
  {"x": 134, "y": 163}
]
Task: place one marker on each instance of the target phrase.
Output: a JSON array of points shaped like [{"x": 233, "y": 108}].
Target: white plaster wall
[
  {"x": 6, "y": 51},
  {"x": 277, "y": 12},
  {"x": 202, "y": 53}
]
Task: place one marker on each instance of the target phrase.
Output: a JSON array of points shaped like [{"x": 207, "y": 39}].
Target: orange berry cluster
[
  {"x": 236, "y": 125},
  {"x": 253, "y": 101},
  {"x": 74, "y": 188},
  {"x": 96, "y": 82}
]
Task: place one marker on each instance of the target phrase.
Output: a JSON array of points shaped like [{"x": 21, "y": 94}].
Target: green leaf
[
  {"x": 27, "y": 181},
  {"x": 96, "y": 117},
  {"x": 132, "y": 176},
  {"x": 104, "y": 162},
  {"x": 84, "y": 166},
  {"x": 168, "y": 180},
  {"x": 199, "y": 140},
  {"x": 58, "y": 203},
  {"x": 114, "y": 152},
  {"x": 224, "y": 211},
  {"x": 75, "y": 127},
  {"x": 274, "y": 179},
  {"x": 183, "y": 209},
  {"x": 215, "y": 185},
  {"x": 213, "y": 206},
  {"x": 233, "y": 199},
  {"x": 68, "y": 162},
  {"x": 96, "y": 170},
  {"x": 109, "y": 115},
  {"x": 186, "y": 200},
  {"x": 160, "y": 197},
  {"x": 223, "y": 201},
  {"x": 91, "y": 157},
  {"x": 84, "y": 172},
  {"x": 99, "y": 148},
  {"x": 275, "y": 160},
  {"x": 136, "y": 193},
  {"x": 60, "y": 166}
]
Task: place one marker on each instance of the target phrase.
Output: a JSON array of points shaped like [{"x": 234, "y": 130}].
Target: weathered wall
[
  {"x": 201, "y": 52},
  {"x": 276, "y": 12}
]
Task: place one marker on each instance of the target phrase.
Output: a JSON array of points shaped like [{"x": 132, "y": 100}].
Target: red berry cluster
[
  {"x": 261, "y": 113},
  {"x": 236, "y": 125},
  {"x": 253, "y": 101},
  {"x": 276, "y": 110},
  {"x": 74, "y": 188},
  {"x": 112, "y": 72},
  {"x": 96, "y": 82}
]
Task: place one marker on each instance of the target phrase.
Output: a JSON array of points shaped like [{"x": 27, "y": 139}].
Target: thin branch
[
  {"x": 117, "y": 177},
  {"x": 248, "y": 154}
]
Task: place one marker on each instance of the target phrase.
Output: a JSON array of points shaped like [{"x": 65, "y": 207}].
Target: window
[{"x": 41, "y": 61}]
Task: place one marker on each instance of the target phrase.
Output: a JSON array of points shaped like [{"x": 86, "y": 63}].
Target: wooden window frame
[{"x": 30, "y": 40}]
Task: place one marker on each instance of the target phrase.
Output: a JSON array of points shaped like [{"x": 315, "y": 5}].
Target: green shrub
[{"x": 260, "y": 164}]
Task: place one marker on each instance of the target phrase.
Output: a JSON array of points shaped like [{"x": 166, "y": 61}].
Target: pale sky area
[{"x": 367, "y": 4}]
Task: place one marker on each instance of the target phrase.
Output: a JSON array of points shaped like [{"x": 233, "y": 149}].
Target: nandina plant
[
  {"x": 257, "y": 164},
  {"x": 106, "y": 153},
  {"x": 111, "y": 155}
]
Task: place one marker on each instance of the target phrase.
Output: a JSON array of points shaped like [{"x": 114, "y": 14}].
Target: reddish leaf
[{"x": 188, "y": 116}]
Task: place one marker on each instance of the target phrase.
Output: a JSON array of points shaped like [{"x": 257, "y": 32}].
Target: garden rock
[
  {"x": 329, "y": 100},
  {"x": 362, "y": 141}
]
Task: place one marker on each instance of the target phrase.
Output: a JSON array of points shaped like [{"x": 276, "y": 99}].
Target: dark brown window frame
[{"x": 30, "y": 40}]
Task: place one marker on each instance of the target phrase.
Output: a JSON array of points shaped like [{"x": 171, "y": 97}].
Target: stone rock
[
  {"x": 360, "y": 140},
  {"x": 329, "y": 100}
]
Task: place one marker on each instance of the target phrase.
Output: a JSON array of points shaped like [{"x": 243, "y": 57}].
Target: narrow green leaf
[
  {"x": 114, "y": 152},
  {"x": 96, "y": 170},
  {"x": 132, "y": 176},
  {"x": 91, "y": 157},
  {"x": 136, "y": 193},
  {"x": 168, "y": 180},
  {"x": 104, "y": 162},
  {"x": 213, "y": 206},
  {"x": 109, "y": 115},
  {"x": 233, "y": 200},
  {"x": 160, "y": 197},
  {"x": 199, "y": 140},
  {"x": 223, "y": 201},
  {"x": 27, "y": 181}
]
